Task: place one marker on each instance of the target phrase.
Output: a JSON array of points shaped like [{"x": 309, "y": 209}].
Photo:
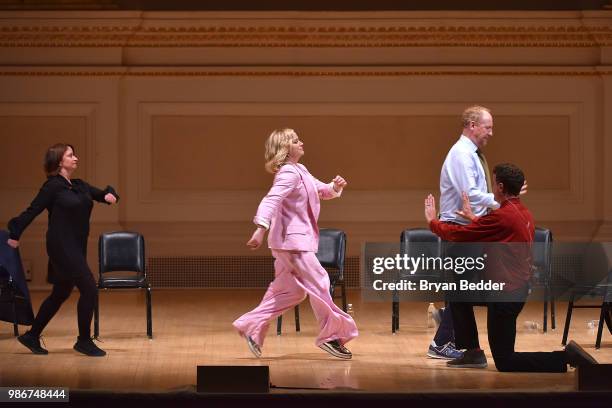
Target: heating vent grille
[{"x": 225, "y": 271}]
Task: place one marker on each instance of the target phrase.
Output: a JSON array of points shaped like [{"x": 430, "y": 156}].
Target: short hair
[
  {"x": 511, "y": 176},
  {"x": 277, "y": 148},
  {"x": 53, "y": 158},
  {"x": 473, "y": 114}
]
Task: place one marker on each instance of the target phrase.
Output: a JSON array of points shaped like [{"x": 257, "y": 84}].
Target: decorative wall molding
[
  {"x": 307, "y": 30},
  {"x": 302, "y": 72}
]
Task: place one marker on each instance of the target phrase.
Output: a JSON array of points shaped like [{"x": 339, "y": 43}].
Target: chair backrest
[
  {"x": 121, "y": 251},
  {"x": 417, "y": 242},
  {"x": 332, "y": 248},
  {"x": 542, "y": 253},
  {"x": 414, "y": 241}
]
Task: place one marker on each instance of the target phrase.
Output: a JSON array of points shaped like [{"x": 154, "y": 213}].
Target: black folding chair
[
  {"x": 598, "y": 257},
  {"x": 542, "y": 255},
  {"x": 8, "y": 296},
  {"x": 123, "y": 252},
  {"x": 415, "y": 242},
  {"x": 15, "y": 304}
]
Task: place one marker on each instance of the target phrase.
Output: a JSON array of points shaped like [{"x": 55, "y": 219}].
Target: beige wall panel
[
  {"x": 539, "y": 145},
  {"x": 373, "y": 153},
  {"x": 25, "y": 140},
  {"x": 390, "y": 152}
]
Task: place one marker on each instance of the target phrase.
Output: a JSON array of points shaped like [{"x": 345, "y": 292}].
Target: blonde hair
[
  {"x": 473, "y": 114},
  {"x": 277, "y": 148}
]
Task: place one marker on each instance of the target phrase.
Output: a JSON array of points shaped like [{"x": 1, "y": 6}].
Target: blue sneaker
[{"x": 445, "y": 352}]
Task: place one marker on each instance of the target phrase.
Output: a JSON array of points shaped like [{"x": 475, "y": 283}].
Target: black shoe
[
  {"x": 254, "y": 347},
  {"x": 87, "y": 347},
  {"x": 470, "y": 359},
  {"x": 576, "y": 356},
  {"x": 336, "y": 349},
  {"x": 32, "y": 342}
]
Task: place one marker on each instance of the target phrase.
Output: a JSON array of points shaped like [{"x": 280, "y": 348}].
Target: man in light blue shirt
[{"x": 464, "y": 170}]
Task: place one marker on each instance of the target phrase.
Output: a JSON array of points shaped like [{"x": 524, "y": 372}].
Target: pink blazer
[{"x": 291, "y": 209}]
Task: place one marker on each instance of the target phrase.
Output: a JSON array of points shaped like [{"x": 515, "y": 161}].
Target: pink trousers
[{"x": 298, "y": 274}]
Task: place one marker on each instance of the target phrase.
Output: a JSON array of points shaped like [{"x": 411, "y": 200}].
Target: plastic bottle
[
  {"x": 531, "y": 325},
  {"x": 593, "y": 324},
  {"x": 430, "y": 311}
]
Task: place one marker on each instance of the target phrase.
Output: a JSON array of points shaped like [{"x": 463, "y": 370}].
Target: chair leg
[
  {"x": 343, "y": 294},
  {"x": 149, "y": 317},
  {"x": 15, "y": 324},
  {"x": 553, "y": 325},
  {"x": 279, "y": 325},
  {"x": 600, "y": 326},
  {"x": 97, "y": 315},
  {"x": 568, "y": 318},
  {"x": 545, "y": 322},
  {"x": 297, "y": 317},
  {"x": 608, "y": 315},
  {"x": 394, "y": 317}
]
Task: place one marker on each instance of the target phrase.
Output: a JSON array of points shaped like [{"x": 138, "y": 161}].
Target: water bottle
[
  {"x": 430, "y": 311},
  {"x": 531, "y": 326},
  {"x": 593, "y": 324},
  {"x": 349, "y": 310}
]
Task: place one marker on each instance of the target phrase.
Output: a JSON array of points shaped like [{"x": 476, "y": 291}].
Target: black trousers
[
  {"x": 501, "y": 326},
  {"x": 61, "y": 291},
  {"x": 445, "y": 332}
]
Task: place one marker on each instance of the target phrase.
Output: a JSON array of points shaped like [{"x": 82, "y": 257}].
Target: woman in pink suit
[{"x": 290, "y": 211}]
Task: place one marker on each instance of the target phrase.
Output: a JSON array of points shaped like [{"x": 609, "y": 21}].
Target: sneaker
[
  {"x": 576, "y": 356},
  {"x": 254, "y": 347},
  {"x": 471, "y": 359},
  {"x": 336, "y": 349},
  {"x": 88, "y": 347},
  {"x": 445, "y": 352},
  {"x": 32, "y": 342}
]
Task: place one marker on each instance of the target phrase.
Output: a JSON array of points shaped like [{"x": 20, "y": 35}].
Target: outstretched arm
[
  {"x": 43, "y": 200},
  {"x": 332, "y": 189},
  {"x": 106, "y": 196}
]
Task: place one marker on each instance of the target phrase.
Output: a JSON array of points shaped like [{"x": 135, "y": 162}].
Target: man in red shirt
[{"x": 511, "y": 223}]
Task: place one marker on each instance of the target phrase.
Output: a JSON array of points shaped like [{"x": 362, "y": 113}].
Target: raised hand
[
  {"x": 339, "y": 183},
  {"x": 430, "y": 208},
  {"x": 466, "y": 209},
  {"x": 109, "y": 198}
]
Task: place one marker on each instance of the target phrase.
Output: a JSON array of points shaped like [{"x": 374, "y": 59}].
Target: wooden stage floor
[{"x": 193, "y": 327}]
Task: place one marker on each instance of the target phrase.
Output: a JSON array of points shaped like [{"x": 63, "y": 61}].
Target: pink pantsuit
[{"x": 291, "y": 210}]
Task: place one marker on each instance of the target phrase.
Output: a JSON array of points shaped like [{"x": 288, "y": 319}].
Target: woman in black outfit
[{"x": 69, "y": 203}]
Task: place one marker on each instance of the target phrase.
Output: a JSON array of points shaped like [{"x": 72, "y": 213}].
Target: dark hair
[
  {"x": 54, "y": 156},
  {"x": 511, "y": 176}
]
